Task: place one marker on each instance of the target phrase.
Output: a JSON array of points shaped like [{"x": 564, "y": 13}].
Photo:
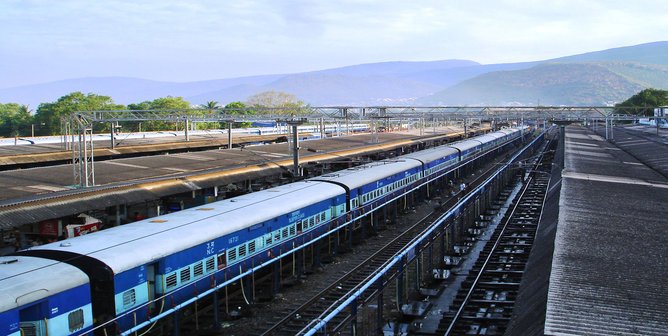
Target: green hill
[
  {"x": 648, "y": 53},
  {"x": 596, "y": 78},
  {"x": 555, "y": 84}
]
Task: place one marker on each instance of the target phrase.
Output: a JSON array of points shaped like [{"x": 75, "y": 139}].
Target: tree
[
  {"x": 164, "y": 103},
  {"x": 49, "y": 114},
  {"x": 284, "y": 103},
  {"x": 169, "y": 103},
  {"x": 15, "y": 120},
  {"x": 209, "y": 109},
  {"x": 238, "y": 108},
  {"x": 210, "y": 105},
  {"x": 643, "y": 102}
]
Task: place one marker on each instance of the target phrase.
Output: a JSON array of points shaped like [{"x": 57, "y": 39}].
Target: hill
[
  {"x": 595, "y": 78},
  {"x": 545, "y": 84}
]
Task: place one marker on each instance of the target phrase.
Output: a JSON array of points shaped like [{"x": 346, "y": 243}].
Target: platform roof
[{"x": 611, "y": 258}]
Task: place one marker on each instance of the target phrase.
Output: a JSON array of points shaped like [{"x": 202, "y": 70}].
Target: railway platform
[
  {"x": 149, "y": 185},
  {"x": 610, "y": 257},
  {"x": 600, "y": 275}
]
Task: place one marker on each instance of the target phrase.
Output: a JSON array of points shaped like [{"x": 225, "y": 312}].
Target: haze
[{"x": 42, "y": 41}]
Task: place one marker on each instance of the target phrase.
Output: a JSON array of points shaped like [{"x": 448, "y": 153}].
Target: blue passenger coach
[
  {"x": 372, "y": 184},
  {"x": 170, "y": 258},
  {"x": 43, "y": 297},
  {"x": 130, "y": 273}
]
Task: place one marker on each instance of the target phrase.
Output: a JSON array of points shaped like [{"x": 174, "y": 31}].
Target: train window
[
  {"x": 311, "y": 221},
  {"x": 170, "y": 281},
  {"x": 185, "y": 275},
  {"x": 317, "y": 219},
  {"x": 76, "y": 319},
  {"x": 129, "y": 298},
  {"x": 299, "y": 226},
  {"x": 251, "y": 247},
  {"x": 285, "y": 233},
  {"x": 210, "y": 264},
  {"x": 323, "y": 216},
  {"x": 232, "y": 254},
  {"x": 292, "y": 230},
  {"x": 267, "y": 239},
  {"x": 277, "y": 235},
  {"x": 242, "y": 250},
  {"x": 221, "y": 261},
  {"x": 198, "y": 269}
]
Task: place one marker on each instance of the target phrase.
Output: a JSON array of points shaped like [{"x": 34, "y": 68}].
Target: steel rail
[
  {"x": 322, "y": 323},
  {"x": 509, "y": 218}
]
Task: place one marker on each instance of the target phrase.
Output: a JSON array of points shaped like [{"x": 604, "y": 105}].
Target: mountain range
[{"x": 594, "y": 78}]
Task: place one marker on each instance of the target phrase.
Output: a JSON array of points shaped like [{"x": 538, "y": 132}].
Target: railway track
[
  {"x": 484, "y": 304},
  {"x": 289, "y": 316},
  {"x": 296, "y": 318}
]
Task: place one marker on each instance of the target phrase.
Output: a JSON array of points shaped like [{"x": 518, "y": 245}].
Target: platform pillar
[
  {"x": 298, "y": 263},
  {"x": 316, "y": 255},
  {"x": 229, "y": 134},
  {"x": 276, "y": 278},
  {"x": 216, "y": 314},
  {"x": 353, "y": 321},
  {"x": 186, "y": 129},
  {"x": 112, "y": 130},
  {"x": 379, "y": 311},
  {"x": 177, "y": 323}
]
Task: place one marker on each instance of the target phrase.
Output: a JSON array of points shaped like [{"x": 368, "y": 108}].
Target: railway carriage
[
  {"x": 176, "y": 256},
  {"x": 436, "y": 160},
  {"x": 370, "y": 185},
  {"x": 43, "y": 297},
  {"x": 137, "y": 270}
]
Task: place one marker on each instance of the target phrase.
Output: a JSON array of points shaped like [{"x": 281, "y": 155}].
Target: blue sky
[{"x": 47, "y": 40}]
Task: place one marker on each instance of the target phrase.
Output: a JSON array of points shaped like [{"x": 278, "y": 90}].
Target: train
[
  {"x": 112, "y": 281},
  {"x": 259, "y": 129}
]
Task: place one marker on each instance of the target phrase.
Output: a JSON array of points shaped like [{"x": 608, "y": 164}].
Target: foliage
[
  {"x": 210, "y": 105},
  {"x": 15, "y": 120},
  {"x": 643, "y": 102},
  {"x": 283, "y": 103},
  {"x": 49, "y": 115},
  {"x": 238, "y": 108},
  {"x": 164, "y": 103}
]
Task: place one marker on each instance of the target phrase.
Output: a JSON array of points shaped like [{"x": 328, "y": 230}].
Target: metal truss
[
  {"x": 332, "y": 113},
  {"x": 82, "y": 151},
  {"x": 79, "y": 124}
]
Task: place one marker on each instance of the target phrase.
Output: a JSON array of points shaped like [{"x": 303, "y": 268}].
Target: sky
[{"x": 180, "y": 41}]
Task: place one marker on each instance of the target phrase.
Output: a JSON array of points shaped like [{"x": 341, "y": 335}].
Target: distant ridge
[
  {"x": 596, "y": 78},
  {"x": 599, "y": 77}
]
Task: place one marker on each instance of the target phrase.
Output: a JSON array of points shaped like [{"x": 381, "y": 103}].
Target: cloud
[{"x": 205, "y": 39}]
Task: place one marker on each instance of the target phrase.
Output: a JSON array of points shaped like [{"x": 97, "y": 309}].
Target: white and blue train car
[
  {"x": 138, "y": 270},
  {"x": 43, "y": 297},
  {"x": 467, "y": 148},
  {"x": 169, "y": 259},
  {"x": 436, "y": 160},
  {"x": 372, "y": 184}
]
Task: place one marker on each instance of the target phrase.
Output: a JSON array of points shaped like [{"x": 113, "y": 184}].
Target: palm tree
[{"x": 211, "y": 105}]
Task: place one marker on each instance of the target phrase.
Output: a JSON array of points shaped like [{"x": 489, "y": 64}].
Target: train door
[
  {"x": 33, "y": 320},
  {"x": 151, "y": 273}
]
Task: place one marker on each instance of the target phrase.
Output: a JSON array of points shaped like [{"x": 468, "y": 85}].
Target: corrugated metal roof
[
  {"x": 611, "y": 258},
  {"x": 34, "y": 198}
]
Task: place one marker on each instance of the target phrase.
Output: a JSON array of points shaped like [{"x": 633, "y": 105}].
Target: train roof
[
  {"x": 465, "y": 144},
  {"x": 131, "y": 245},
  {"x": 356, "y": 177},
  {"x": 488, "y": 137},
  {"x": 27, "y": 279},
  {"x": 472, "y": 142},
  {"x": 432, "y": 154}
]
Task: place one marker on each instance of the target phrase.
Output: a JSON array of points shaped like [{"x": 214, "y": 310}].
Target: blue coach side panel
[{"x": 41, "y": 296}]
